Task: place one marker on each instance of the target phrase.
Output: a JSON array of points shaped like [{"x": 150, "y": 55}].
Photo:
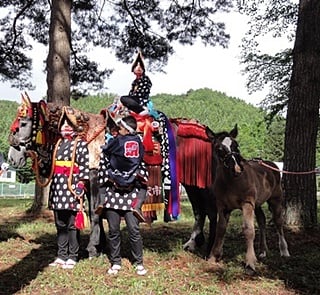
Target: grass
[{"x": 27, "y": 246}]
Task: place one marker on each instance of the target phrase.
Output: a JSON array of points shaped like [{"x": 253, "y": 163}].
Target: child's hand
[
  {"x": 108, "y": 137},
  {"x": 79, "y": 191}
]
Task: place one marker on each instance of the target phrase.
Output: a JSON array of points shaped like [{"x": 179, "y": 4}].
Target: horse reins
[
  {"x": 34, "y": 157},
  {"x": 72, "y": 165},
  {"x": 285, "y": 171}
]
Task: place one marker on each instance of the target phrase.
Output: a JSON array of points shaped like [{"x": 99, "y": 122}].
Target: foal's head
[{"x": 226, "y": 150}]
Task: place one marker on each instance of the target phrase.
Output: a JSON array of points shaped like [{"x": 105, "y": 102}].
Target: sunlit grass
[{"x": 28, "y": 246}]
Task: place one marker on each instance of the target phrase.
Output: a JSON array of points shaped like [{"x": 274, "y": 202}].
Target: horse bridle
[
  {"x": 17, "y": 142},
  {"x": 228, "y": 155}
]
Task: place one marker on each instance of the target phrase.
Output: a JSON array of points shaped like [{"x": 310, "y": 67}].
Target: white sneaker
[
  {"x": 140, "y": 270},
  {"x": 58, "y": 263},
  {"x": 114, "y": 269},
  {"x": 70, "y": 264}
]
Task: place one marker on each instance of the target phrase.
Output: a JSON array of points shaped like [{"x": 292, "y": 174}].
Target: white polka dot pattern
[{"x": 60, "y": 197}]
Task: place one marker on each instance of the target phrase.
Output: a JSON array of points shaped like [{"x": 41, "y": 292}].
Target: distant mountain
[{"x": 211, "y": 108}]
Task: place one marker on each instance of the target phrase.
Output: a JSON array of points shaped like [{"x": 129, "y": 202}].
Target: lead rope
[
  {"x": 73, "y": 157},
  {"x": 71, "y": 173},
  {"x": 288, "y": 172},
  {"x": 34, "y": 156}
]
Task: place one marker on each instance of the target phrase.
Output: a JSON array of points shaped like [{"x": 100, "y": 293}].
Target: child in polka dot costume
[
  {"x": 123, "y": 179},
  {"x": 138, "y": 97},
  {"x": 65, "y": 201}
]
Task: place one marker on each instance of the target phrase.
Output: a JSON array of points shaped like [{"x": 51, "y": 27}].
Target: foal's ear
[
  {"x": 234, "y": 131},
  {"x": 211, "y": 135}
]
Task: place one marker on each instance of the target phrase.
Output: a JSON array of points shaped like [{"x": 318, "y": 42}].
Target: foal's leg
[
  {"x": 217, "y": 249},
  {"x": 249, "y": 233},
  {"x": 212, "y": 216},
  {"x": 261, "y": 220},
  {"x": 196, "y": 197},
  {"x": 275, "y": 207}
]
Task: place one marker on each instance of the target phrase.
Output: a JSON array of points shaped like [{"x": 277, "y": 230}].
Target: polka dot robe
[{"x": 60, "y": 197}]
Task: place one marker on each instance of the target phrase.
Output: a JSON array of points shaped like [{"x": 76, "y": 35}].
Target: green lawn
[{"x": 27, "y": 246}]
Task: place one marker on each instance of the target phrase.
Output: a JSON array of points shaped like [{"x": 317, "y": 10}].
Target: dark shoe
[
  {"x": 99, "y": 210},
  {"x": 138, "y": 214}
]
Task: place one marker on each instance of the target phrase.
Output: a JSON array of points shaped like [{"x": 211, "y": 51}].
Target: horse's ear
[
  {"x": 211, "y": 135},
  {"x": 27, "y": 99},
  {"x": 25, "y": 108},
  {"x": 23, "y": 100},
  {"x": 234, "y": 131}
]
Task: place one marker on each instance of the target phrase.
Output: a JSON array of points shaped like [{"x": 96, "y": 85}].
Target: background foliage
[
  {"x": 216, "y": 110},
  {"x": 211, "y": 108}
]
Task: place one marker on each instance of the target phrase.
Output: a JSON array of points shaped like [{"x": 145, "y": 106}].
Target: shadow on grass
[
  {"x": 25, "y": 270},
  {"x": 300, "y": 272},
  {"x": 20, "y": 272}
]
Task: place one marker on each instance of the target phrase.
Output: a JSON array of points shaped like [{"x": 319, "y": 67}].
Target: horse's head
[
  {"x": 28, "y": 131},
  {"x": 21, "y": 133},
  {"x": 226, "y": 150}
]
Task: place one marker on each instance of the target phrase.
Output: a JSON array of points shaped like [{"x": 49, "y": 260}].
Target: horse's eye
[{"x": 220, "y": 152}]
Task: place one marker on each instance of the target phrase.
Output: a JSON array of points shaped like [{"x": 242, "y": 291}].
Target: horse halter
[
  {"x": 26, "y": 130},
  {"x": 228, "y": 154},
  {"x": 16, "y": 138}
]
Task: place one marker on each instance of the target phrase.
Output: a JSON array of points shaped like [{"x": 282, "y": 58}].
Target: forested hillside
[
  {"x": 211, "y": 108},
  {"x": 217, "y": 111},
  {"x": 8, "y": 113}
]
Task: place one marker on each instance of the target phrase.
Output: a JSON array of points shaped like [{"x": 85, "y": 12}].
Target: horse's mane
[{"x": 88, "y": 125}]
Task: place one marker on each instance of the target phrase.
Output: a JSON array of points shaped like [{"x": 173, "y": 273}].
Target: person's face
[
  {"x": 138, "y": 71},
  {"x": 122, "y": 130},
  {"x": 66, "y": 128}
]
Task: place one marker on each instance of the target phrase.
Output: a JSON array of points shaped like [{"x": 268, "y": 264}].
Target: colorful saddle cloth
[{"x": 160, "y": 157}]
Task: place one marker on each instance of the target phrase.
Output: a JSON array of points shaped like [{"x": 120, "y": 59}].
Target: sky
[{"x": 190, "y": 67}]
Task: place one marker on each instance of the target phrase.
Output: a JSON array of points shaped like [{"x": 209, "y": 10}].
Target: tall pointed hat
[{"x": 139, "y": 59}]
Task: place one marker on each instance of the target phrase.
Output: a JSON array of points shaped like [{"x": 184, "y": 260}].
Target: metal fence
[
  {"x": 16, "y": 190},
  {"x": 22, "y": 190}
]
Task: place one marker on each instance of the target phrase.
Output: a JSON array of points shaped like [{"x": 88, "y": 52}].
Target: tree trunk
[
  {"x": 58, "y": 71},
  {"x": 40, "y": 202},
  {"x": 302, "y": 119},
  {"x": 58, "y": 61}
]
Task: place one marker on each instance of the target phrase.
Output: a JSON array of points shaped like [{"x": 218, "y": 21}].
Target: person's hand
[
  {"x": 108, "y": 137},
  {"x": 79, "y": 189}
]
